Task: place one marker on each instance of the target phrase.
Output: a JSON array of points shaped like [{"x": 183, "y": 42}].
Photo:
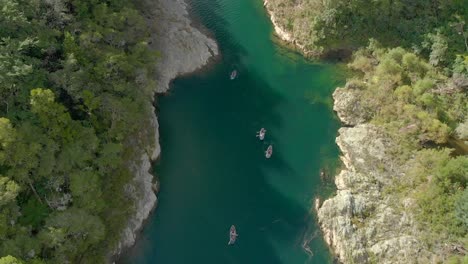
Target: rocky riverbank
[
  {"x": 284, "y": 34},
  {"x": 363, "y": 223},
  {"x": 183, "y": 49},
  {"x": 292, "y": 22}
]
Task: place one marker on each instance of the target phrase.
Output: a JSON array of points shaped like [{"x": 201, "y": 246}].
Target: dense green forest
[
  {"x": 75, "y": 89},
  {"x": 435, "y": 26}
]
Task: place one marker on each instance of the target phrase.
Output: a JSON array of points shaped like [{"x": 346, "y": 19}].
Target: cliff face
[
  {"x": 142, "y": 189},
  {"x": 348, "y": 107},
  {"x": 183, "y": 49},
  {"x": 362, "y": 224}
]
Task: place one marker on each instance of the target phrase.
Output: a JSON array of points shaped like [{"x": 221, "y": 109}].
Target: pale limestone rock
[
  {"x": 183, "y": 48},
  {"x": 360, "y": 223},
  {"x": 282, "y": 33},
  {"x": 348, "y": 107}
]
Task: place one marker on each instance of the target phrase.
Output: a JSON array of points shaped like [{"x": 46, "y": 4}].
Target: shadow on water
[{"x": 213, "y": 172}]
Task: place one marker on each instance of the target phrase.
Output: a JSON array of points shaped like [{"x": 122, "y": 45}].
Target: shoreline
[
  {"x": 360, "y": 223},
  {"x": 284, "y": 35},
  {"x": 318, "y": 202},
  {"x": 287, "y": 39},
  {"x": 335, "y": 214},
  {"x": 184, "y": 50}
]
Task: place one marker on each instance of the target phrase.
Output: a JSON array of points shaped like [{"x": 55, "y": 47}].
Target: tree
[
  {"x": 65, "y": 150},
  {"x": 462, "y": 130},
  {"x": 11, "y": 18},
  {"x": 10, "y": 260},
  {"x": 8, "y": 191},
  {"x": 7, "y": 135},
  {"x": 461, "y": 208},
  {"x": 81, "y": 229},
  {"x": 86, "y": 189},
  {"x": 438, "y": 49},
  {"x": 455, "y": 172}
]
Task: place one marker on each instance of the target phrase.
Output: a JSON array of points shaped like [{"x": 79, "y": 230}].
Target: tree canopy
[
  {"x": 76, "y": 82},
  {"x": 438, "y": 28}
]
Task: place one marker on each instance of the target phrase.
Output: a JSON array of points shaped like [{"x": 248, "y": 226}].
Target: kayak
[
  {"x": 232, "y": 235},
  {"x": 233, "y": 74},
  {"x": 269, "y": 152},
  {"x": 261, "y": 133}
]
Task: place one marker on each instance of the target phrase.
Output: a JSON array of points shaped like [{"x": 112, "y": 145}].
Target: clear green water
[{"x": 212, "y": 169}]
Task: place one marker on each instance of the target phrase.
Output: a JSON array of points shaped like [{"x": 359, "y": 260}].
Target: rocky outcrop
[
  {"x": 280, "y": 31},
  {"x": 141, "y": 191},
  {"x": 293, "y": 23},
  {"x": 362, "y": 224},
  {"x": 183, "y": 49},
  {"x": 348, "y": 107},
  {"x": 284, "y": 34}
]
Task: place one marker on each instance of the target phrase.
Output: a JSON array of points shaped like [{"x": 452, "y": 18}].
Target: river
[{"x": 212, "y": 169}]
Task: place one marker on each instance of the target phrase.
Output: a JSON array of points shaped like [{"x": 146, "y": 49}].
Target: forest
[
  {"x": 409, "y": 69},
  {"x": 325, "y": 26},
  {"x": 77, "y": 77},
  {"x": 76, "y": 82},
  {"x": 424, "y": 111}
]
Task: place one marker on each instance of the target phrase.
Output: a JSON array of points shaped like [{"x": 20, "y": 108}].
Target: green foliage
[
  {"x": 65, "y": 149},
  {"x": 423, "y": 109},
  {"x": 33, "y": 213},
  {"x": 438, "y": 49},
  {"x": 455, "y": 172},
  {"x": 72, "y": 233},
  {"x": 457, "y": 260},
  {"x": 439, "y": 190},
  {"x": 435, "y": 28},
  {"x": 462, "y": 130},
  {"x": 461, "y": 208},
  {"x": 407, "y": 95},
  {"x": 8, "y": 191},
  {"x": 7, "y": 135},
  {"x": 411, "y": 81},
  {"x": 460, "y": 65},
  {"x": 10, "y": 260}
]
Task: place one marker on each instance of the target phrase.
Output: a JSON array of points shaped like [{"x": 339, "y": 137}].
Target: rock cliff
[
  {"x": 362, "y": 224},
  {"x": 348, "y": 107},
  {"x": 141, "y": 190},
  {"x": 183, "y": 49}
]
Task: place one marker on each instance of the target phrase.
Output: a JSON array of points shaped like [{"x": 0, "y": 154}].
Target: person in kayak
[
  {"x": 269, "y": 152},
  {"x": 232, "y": 235},
  {"x": 261, "y": 133}
]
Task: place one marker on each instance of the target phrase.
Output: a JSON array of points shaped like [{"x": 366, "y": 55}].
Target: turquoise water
[{"x": 212, "y": 169}]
